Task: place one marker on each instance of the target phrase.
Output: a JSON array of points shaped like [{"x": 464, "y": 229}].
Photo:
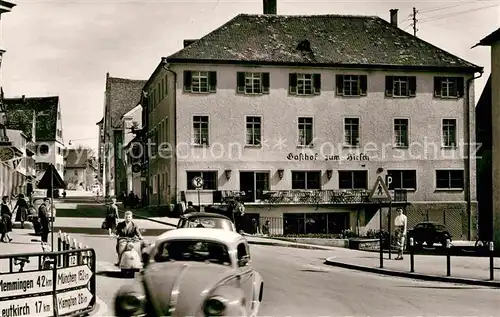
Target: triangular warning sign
[{"x": 380, "y": 191}]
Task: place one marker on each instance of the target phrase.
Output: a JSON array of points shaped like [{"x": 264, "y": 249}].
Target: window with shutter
[
  {"x": 292, "y": 83},
  {"x": 449, "y": 87},
  {"x": 306, "y": 84},
  {"x": 212, "y": 81},
  {"x": 352, "y": 85},
  {"x": 200, "y": 81}
]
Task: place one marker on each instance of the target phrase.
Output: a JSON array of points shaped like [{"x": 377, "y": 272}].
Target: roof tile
[
  {"x": 334, "y": 40},
  {"x": 124, "y": 95}
]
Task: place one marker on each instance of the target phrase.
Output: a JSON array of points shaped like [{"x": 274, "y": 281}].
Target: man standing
[
  {"x": 43, "y": 215},
  {"x": 400, "y": 224}
]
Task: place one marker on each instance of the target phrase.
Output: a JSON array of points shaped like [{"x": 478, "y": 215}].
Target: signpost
[
  {"x": 198, "y": 184},
  {"x": 58, "y": 291},
  {"x": 380, "y": 193},
  {"x": 388, "y": 182}
]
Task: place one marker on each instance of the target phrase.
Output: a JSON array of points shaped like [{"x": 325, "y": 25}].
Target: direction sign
[
  {"x": 41, "y": 306},
  {"x": 72, "y": 301},
  {"x": 380, "y": 191},
  {"x": 197, "y": 182},
  {"x": 25, "y": 283},
  {"x": 73, "y": 277}
]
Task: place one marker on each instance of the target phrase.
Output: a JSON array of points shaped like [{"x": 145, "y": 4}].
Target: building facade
[
  {"x": 45, "y": 114},
  {"x": 489, "y": 116},
  {"x": 300, "y": 132},
  {"x": 121, "y": 96},
  {"x": 80, "y": 170},
  {"x": 132, "y": 124}
]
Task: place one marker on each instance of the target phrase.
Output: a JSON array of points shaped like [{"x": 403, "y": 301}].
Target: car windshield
[
  {"x": 440, "y": 227},
  {"x": 212, "y": 223},
  {"x": 193, "y": 250}
]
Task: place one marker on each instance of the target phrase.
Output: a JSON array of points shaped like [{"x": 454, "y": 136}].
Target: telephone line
[
  {"x": 448, "y": 6},
  {"x": 438, "y": 17}
]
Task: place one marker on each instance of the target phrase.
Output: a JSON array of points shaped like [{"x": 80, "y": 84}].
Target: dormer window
[{"x": 304, "y": 45}]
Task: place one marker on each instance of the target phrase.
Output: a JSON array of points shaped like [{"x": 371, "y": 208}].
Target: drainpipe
[
  {"x": 468, "y": 156},
  {"x": 165, "y": 67}
]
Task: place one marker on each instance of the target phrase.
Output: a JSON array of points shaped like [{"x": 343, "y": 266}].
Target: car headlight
[
  {"x": 214, "y": 307},
  {"x": 129, "y": 305}
]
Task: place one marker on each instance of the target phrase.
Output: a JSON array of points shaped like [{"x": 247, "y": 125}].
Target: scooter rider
[{"x": 126, "y": 229}]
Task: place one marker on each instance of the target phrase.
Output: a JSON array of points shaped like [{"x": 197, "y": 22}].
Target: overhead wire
[
  {"x": 452, "y": 14},
  {"x": 448, "y": 6}
]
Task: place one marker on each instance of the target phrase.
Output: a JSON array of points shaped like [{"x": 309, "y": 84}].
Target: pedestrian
[
  {"x": 400, "y": 226},
  {"x": 43, "y": 216},
  {"x": 112, "y": 216},
  {"x": 190, "y": 207},
  {"x": 239, "y": 212},
  {"x": 265, "y": 228},
  {"x": 6, "y": 220},
  {"x": 22, "y": 210}
]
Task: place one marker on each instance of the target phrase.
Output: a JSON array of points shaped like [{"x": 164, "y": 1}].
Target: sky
[{"x": 66, "y": 47}]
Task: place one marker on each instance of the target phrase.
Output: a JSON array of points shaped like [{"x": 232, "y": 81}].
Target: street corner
[
  {"x": 336, "y": 261},
  {"x": 101, "y": 309}
]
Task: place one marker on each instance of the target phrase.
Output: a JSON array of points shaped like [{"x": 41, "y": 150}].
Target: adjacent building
[
  {"x": 80, "y": 169},
  {"x": 120, "y": 97},
  {"x": 132, "y": 125},
  {"x": 45, "y": 113},
  {"x": 488, "y": 115},
  {"x": 298, "y": 116}
]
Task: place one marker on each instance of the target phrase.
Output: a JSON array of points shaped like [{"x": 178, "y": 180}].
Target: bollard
[
  {"x": 67, "y": 247},
  {"x": 86, "y": 255},
  {"x": 448, "y": 257},
  {"x": 412, "y": 258},
  {"x": 492, "y": 264},
  {"x": 59, "y": 241},
  {"x": 79, "y": 255},
  {"x": 74, "y": 245}
]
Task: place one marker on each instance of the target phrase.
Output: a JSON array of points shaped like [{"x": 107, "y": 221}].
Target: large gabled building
[{"x": 299, "y": 115}]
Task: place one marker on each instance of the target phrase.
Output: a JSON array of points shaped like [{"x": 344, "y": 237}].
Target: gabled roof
[
  {"x": 76, "y": 158},
  {"x": 335, "y": 40},
  {"x": 490, "y": 39},
  {"x": 124, "y": 95},
  {"x": 20, "y": 116}
]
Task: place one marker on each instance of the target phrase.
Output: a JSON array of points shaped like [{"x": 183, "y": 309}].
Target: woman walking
[
  {"x": 22, "y": 209},
  {"x": 6, "y": 220}
]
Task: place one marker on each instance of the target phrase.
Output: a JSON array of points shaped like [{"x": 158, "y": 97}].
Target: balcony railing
[{"x": 328, "y": 196}]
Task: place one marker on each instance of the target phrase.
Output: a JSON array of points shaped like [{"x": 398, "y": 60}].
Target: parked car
[
  {"x": 429, "y": 232},
  {"x": 206, "y": 220},
  {"x": 194, "y": 272}
]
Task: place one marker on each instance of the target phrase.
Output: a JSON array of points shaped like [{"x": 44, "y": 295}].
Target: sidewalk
[{"x": 467, "y": 270}]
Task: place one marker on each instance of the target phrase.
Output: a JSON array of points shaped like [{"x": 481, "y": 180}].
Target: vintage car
[
  {"x": 429, "y": 232},
  {"x": 206, "y": 220},
  {"x": 194, "y": 272}
]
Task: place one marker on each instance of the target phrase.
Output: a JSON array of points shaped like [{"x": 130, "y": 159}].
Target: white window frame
[
  {"x": 396, "y": 143},
  {"x": 303, "y": 143},
  {"x": 455, "y": 134},
  {"x": 447, "y": 85},
  {"x": 400, "y": 86},
  {"x": 253, "y": 83},
  {"x": 259, "y": 143},
  {"x": 193, "y": 133},
  {"x": 359, "y": 132},
  {"x": 199, "y": 81},
  {"x": 305, "y": 82},
  {"x": 348, "y": 80}
]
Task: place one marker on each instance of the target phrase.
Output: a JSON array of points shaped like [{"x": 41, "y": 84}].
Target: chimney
[
  {"x": 270, "y": 6},
  {"x": 189, "y": 42},
  {"x": 394, "y": 17}
]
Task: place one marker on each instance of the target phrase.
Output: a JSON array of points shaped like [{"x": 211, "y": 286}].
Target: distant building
[
  {"x": 121, "y": 96},
  {"x": 132, "y": 124},
  {"x": 46, "y": 113},
  {"x": 80, "y": 171}
]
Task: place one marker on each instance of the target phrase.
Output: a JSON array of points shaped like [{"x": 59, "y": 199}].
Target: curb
[
  {"x": 102, "y": 308},
  {"x": 418, "y": 276},
  {"x": 289, "y": 245}
]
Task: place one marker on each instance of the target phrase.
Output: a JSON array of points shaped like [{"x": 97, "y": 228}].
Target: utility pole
[{"x": 415, "y": 22}]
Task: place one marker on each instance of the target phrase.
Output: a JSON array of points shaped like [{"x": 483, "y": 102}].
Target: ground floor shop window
[
  {"x": 254, "y": 184},
  {"x": 315, "y": 223},
  {"x": 209, "y": 179}
]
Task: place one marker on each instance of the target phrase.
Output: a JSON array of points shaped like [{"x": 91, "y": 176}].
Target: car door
[{"x": 245, "y": 274}]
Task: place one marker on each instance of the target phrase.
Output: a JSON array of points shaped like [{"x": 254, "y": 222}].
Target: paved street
[{"x": 299, "y": 284}]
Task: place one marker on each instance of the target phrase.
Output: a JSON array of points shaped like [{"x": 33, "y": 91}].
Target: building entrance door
[{"x": 253, "y": 184}]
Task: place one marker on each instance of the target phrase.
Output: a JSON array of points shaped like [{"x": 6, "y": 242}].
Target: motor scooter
[{"x": 129, "y": 259}]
